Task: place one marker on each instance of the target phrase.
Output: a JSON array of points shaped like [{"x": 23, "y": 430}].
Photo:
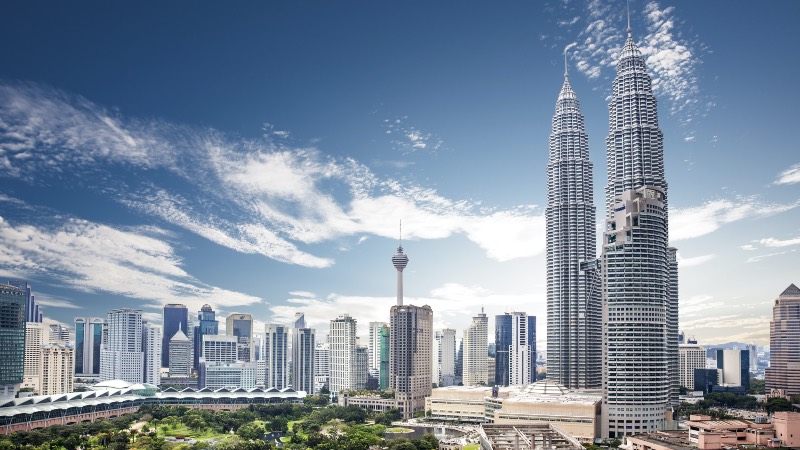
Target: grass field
[
  {"x": 183, "y": 430},
  {"x": 472, "y": 447},
  {"x": 399, "y": 430}
]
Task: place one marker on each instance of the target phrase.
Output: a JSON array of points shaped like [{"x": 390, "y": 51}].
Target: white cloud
[
  {"x": 772, "y": 242},
  {"x": 256, "y": 197},
  {"x": 92, "y": 257},
  {"x": 694, "y": 261},
  {"x": 769, "y": 255},
  {"x": 687, "y": 223},
  {"x": 748, "y": 247},
  {"x": 409, "y": 139},
  {"x": 789, "y": 176}
]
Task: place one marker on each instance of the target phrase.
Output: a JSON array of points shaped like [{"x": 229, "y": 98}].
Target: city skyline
[{"x": 445, "y": 128}]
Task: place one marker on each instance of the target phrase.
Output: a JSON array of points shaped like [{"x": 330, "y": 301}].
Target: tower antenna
[
  {"x": 400, "y": 242},
  {"x": 628, "y": 6},
  {"x": 566, "y": 71}
]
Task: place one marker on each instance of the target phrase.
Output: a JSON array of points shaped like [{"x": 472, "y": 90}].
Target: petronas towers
[{"x": 613, "y": 322}]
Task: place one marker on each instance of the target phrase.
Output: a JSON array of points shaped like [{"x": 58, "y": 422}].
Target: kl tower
[{"x": 400, "y": 261}]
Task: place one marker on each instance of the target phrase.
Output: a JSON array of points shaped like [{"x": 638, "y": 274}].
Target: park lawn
[
  {"x": 291, "y": 425},
  {"x": 399, "y": 430},
  {"x": 286, "y": 439},
  {"x": 472, "y": 447},
  {"x": 183, "y": 430}
]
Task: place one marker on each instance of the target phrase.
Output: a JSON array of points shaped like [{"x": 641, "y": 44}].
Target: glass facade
[
  {"x": 176, "y": 316},
  {"x": 12, "y": 334}
]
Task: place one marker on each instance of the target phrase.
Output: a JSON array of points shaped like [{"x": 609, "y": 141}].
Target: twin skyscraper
[{"x": 612, "y": 322}]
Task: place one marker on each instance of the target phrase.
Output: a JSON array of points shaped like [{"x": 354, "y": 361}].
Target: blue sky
[{"x": 259, "y": 156}]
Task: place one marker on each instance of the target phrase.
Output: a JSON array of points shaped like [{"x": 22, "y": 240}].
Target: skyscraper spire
[
  {"x": 573, "y": 301},
  {"x": 400, "y": 261},
  {"x": 628, "y": 5}
]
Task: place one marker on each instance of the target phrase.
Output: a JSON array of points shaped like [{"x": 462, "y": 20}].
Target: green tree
[
  {"x": 427, "y": 442},
  {"x": 778, "y": 404},
  {"x": 251, "y": 431}
]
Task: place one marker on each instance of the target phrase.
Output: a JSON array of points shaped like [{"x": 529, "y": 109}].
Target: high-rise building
[
  {"x": 227, "y": 375},
  {"x": 515, "y": 360},
  {"x": 58, "y": 332},
  {"x": 88, "y": 337},
  {"x": 573, "y": 279},
  {"x": 444, "y": 357},
  {"x": 175, "y": 316},
  {"x": 180, "y": 355},
  {"x": 220, "y": 349},
  {"x": 636, "y": 266},
  {"x": 36, "y": 335},
  {"x": 692, "y": 356},
  {"x": 361, "y": 369},
  {"x": 207, "y": 324},
  {"x": 241, "y": 326},
  {"x": 784, "y": 343},
  {"x": 151, "y": 347},
  {"x": 385, "y": 340},
  {"x": 303, "y": 346},
  {"x": 121, "y": 357},
  {"x": 322, "y": 365},
  {"x": 374, "y": 344},
  {"x": 12, "y": 339},
  {"x": 673, "y": 334},
  {"x": 32, "y": 311},
  {"x": 275, "y": 351},
  {"x": 342, "y": 353},
  {"x": 735, "y": 366},
  {"x": 475, "y": 353},
  {"x": 57, "y": 361}
]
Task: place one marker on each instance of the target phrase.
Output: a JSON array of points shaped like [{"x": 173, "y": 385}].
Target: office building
[
  {"x": 241, "y": 326},
  {"x": 322, "y": 365},
  {"x": 692, "y": 356},
  {"x": 573, "y": 279},
  {"x": 32, "y": 310},
  {"x": 374, "y": 344},
  {"x": 36, "y": 335},
  {"x": 151, "y": 347},
  {"x": 12, "y": 339},
  {"x": 175, "y": 316},
  {"x": 475, "y": 351},
  {"x": 735, "y": 366},
  {"x": 226, "y": 375},
  {"x": 88, "y": 337},
  {"x": 444, "y": 359},
  {"x": 207, "y": 324},
  {"x": 637, "y": 310},
  {"x": 383, "y": 376},
  {"x": 515, "y": 349},
  {"x": 303, "y": 346},
  {"x": 361, "y": 370},
  {"x": 342, "y": 341},
  {"x": 122, "y": 358},
  {"x": 180, "y": 355},
  {"x": 58, "y": 333},
  {"x": 706, "y": 379},
  {"x": 276, "y": 351},
  {"x": 220, "y": 349},
  {"x": 57, "y": 361},
  {"x": 784, "y": 343}
]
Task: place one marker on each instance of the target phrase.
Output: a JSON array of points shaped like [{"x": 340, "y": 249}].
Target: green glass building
[
  {"x": 384, "y": 368},
  {"x": 12, "y": 339}
]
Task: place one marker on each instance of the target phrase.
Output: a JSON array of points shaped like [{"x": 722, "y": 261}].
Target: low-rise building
[
  {"x": 526, "y": 437},
  {"x": 787, "y": 428},
  {"x": 708, "y": 434}
]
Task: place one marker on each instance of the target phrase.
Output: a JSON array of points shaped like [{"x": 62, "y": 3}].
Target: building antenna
[
  {"x": 400, "y": 242},
  {"x": 628, "y": 5},
  {"x": 566, "y": 72}
]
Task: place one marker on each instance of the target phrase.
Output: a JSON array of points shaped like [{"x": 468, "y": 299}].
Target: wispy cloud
[
  {"x": 694, "y": 261},
  {"x": 408, "y": 138},
  {"x": 768, "y": 255},
  {"x": 252, "y": 196},
  {"x": 772, "y": 242},
  {"x": 697, "y": 221},
  {"x": 748, "y": 247},
  {"x": 789, "y": 176},
  {"x": 92, "y": 257},
  {"x": 672, "y": 56}
]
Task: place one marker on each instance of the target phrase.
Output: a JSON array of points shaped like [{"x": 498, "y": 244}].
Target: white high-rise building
[
  {"x": 219, "y": 348},
  {"x": 180, "y": 355},
  {"x": 520, "y": 351},
  {"x": 275, "y": 350},
  {"x": 58, "y": 333},
  {"x": 692, "y": 356},
  {"x": 342, "y": 341},
  {"x": 374, "y": 345},
  {"x": 573, "y": 278},
  {"x": 444, "y": 357},
  {"x": 322, "y": 365},
  {"x": 303, "y": 346},
  {"x": 36, "y": 335},
  {"x": 121, "y": 357},
  {"x": 57, "y": 363},
  {"x": 151, "y": 346},
  {"x": 638, "y": 293},
  {"x": 476, "y": 351}
]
